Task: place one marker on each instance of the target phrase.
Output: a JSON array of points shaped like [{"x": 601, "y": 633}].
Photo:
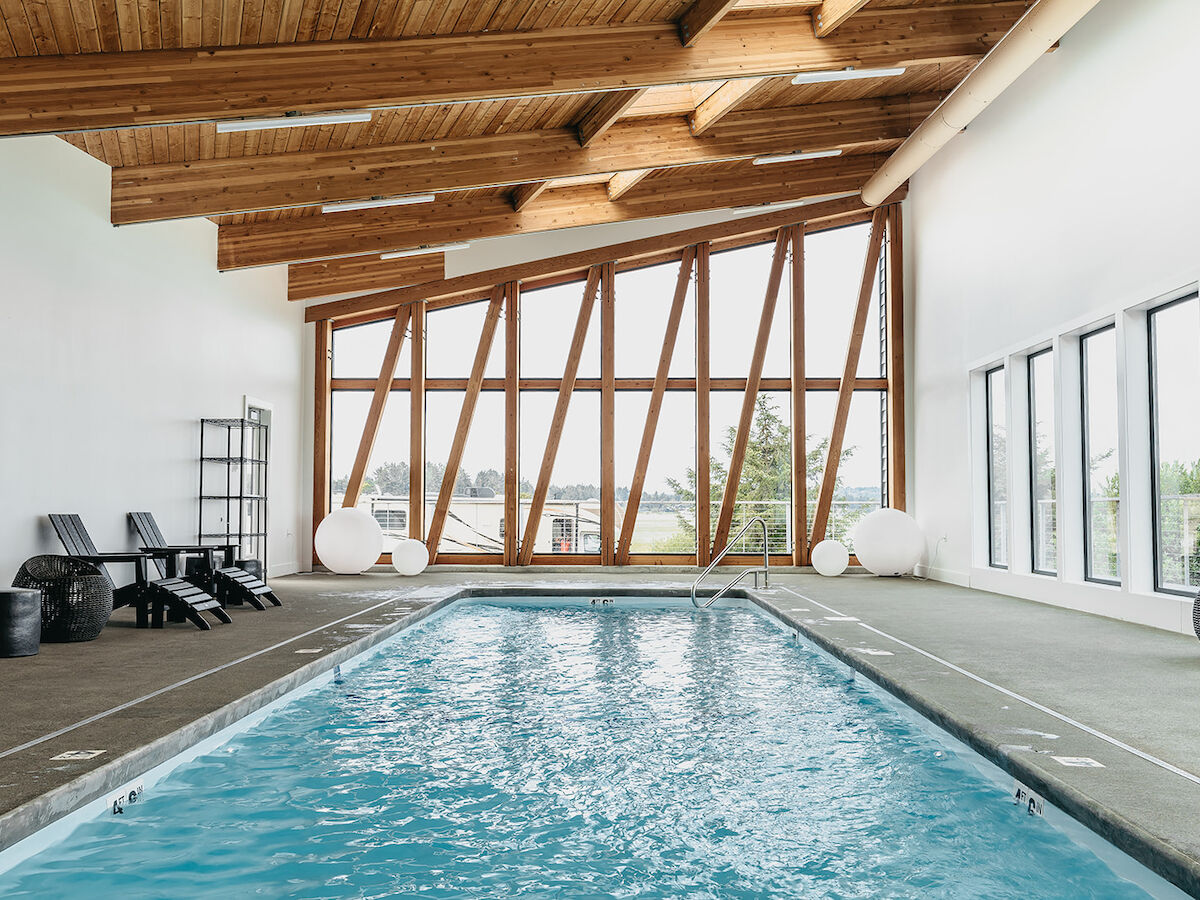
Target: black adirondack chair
[
  {"x": 231, "y": 584},
  {"x": 174, "y": 596}
]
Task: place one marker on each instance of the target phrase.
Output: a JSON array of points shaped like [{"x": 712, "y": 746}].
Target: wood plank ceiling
[{"x": 518, "y": 115}]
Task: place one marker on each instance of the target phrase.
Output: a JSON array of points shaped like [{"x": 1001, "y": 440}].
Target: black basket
[{"x": 77, "y": 598}]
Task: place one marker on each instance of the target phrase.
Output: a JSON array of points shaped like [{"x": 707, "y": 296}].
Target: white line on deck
[
  {"x": 1161, "y": 763},
  {"x": 116, "y": 709}
]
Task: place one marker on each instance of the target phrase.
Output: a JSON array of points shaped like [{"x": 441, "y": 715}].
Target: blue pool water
[{"x": 525, "y": 751}]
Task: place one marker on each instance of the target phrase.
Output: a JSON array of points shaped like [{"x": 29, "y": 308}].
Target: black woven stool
[
  {"x": 20, "y": 622},
  {"x": 77, "y": 598}
]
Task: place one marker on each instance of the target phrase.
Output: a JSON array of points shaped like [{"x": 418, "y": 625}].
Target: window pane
[
  {"x": 548, "y": 317},
  {"x": 1175, "y": 352},
  {"x": 643, "y": 305},
  {"x": 452, "y": 338},
  {"x": 737, "y": 288},
  {"x": 1101, "y": 459},
  {"x": 997, "y": 450},
  {"x": 666, "y": 516},
  {"x": 477, "y": 505},
  {"x": 385, "y": 487},
  {"x": 1043, "y": 475},
  {"x": 858, "y": 489},
  {"x": 358, "y": 350},
  {"x": 833, "y": 262}
]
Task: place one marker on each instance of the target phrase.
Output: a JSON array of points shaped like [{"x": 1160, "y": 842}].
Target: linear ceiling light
[
  {"x": 376, "y": 202},
  {"x": 422, "y": 251},
  {"x": 225, "y": 126},
  {"x": 792, "y": 157},
  {"x": 847, "y": 74}
]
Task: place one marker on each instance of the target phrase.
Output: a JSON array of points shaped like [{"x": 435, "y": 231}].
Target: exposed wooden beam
[
  {"x": 383, "y": 386},
  {"x": 691, "y": 189},
  {"x": 841, "y": 414},
  {"x": 682, "y": 282},
  {"x": 621, "y": 384},
  {"x": 832, "y": 13},
  {"x": 524, "y": 194},
  {"x": 603, "y": 114},
  {"x": 895, "y": 358},
  {"x": 608, "y": 414},
  {"x": 416, "y": 424},
  {"x": 54, "y": 94},
  {"x": 465, "y": 417},
  {"x": 561, "y": 406},
  {"x": 721, "y": 103},
  {"x": 622, "y": 183},
  {"x": 799, "y": 405},
  {"x": 750, "y": 398},
  {"x": 355, "y": 274},
  {"x": 703, "y": 385},
  {"x": 573, "y": 262},
  {"x": 700, "y": 17},
  {"x": 323, "y": 372},
  {"x": 512, "y": 422},
  {"x": 528, "y": 159}
]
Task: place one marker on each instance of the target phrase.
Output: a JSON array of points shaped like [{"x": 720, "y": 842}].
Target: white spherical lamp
[
  {"x": 348, "y": 541},
  {"x": 830, "y": 558},
  {"x": 410, "y": 557},
  {"x": 888, "y": 542}
]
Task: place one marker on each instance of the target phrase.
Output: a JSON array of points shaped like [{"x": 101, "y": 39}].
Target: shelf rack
[{"x": 233, "y": 485}]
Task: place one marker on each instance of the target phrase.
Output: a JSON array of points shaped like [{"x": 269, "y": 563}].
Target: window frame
[
  {"x": 1086, "y": 461},
  {"x": 1031, "y": 416},
  {"x": 991, "y": 465}
]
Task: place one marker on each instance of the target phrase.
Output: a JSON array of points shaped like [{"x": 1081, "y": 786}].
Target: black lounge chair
[
  {"x": 231, "y": 584},
  {"x": 177, "y": 597}
]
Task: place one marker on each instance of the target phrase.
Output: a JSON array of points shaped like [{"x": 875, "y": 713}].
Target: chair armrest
[{"x": 112, "y": 557}]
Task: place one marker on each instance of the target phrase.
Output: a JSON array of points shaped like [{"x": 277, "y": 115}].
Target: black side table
[
  {"x": 77, "y": 598},
  {"x": 20, "y": 622}
]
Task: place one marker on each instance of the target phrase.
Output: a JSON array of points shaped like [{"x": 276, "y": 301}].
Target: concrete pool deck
[{"x": 1021, "y": 682}]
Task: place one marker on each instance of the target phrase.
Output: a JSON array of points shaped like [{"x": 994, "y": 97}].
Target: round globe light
[
  {"x": 348, "y": 541},
  {"x": 830, "y": 558},
  {"x": 888, "y": 542},
  {"x": 410, "y": 557}
]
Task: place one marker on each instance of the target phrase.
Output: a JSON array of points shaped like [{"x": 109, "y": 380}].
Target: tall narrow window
[
  {"x": 1175, "y": 439},
  {"x": 1043, "y": 478},
  {"x": 997, "y": 469},
  {"x": 1102, "y": 489}
]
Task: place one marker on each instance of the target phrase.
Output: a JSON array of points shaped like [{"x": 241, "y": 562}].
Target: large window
[
  {"x": 1042, "y": 475},
  {"x": 1101, "y": 460},
  {"x": 1175, "y": 439},
  {"x": 997, "y": 468},
  {"x": 632, "y": 499}
]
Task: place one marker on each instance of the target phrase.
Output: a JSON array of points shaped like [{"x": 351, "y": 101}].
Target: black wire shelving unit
[{"x": 233, "y": 486}]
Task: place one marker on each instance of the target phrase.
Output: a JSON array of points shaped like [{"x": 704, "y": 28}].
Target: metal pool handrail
[{"x": 720, "y": 556}]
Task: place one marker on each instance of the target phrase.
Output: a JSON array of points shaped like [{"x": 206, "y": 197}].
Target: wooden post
[
  {"x": 322, "y": 403},
  {"x": 416, "y": 422},
  {"x": 608, "y": 415},
  {"x": 800, "y": 548},
  {"x": 682, "y": 282},
  {"x": 703, "y": 438},
  {"x": 895, "y": 358},
  {"x": 751, "y": 396},
  {"x": 467, "y": 414},
  {"x": 849, "y": 374},
  {"x": 565, "y": 388},
  {"x": 383, "y": 388},
  {"x": 512, "y": 422}
]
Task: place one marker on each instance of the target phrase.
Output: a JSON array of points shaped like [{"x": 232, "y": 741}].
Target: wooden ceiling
[{"x": 519, "y": 115}]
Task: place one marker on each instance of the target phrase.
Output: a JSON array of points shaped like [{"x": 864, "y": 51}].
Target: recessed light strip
[
  {"x": 422, "y": 251},
  {"x": 226, "y": 126},
  {"x": 793, "y": 157},
  {"x": 848, "y": 74},
  {"x": 376, "y": 203}
]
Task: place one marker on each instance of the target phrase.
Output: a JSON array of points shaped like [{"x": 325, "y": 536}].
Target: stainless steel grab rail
[{"x": 720, "y": 556}]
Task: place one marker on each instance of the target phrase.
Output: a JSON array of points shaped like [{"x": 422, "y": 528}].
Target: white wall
[
  {"x": 1072, "y": 198},
  {"x": 113, "y": 344}
]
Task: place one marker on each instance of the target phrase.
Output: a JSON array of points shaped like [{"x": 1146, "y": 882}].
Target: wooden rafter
[
  {"x": 720, "y": 103},
  {"x": 321, "y": 424},
  {"x": 742, "y": 438},
  {"x": 895, "y": 359},
  {"x": 799, "y": 405},
  {"x": 691, "y": 189},
  {"x": 416, "y": 421},
  {"x": 524, "y": 194},
  {"x": 608, "y": 414},
  {"x": 383, "y": 386},
  {"x": 480, "y": 282},
  {"x": 605, "y": 112},
  {"x": 56, "y": 94},
  {"x": 846, "y": 391},
  {"x": 465, "y": 417},
  {"x": 512, "y": 422},
  {"x": 703, "y": 386},
  {"x": 682, "y": 282},
  {"x": 355, "y": 274},
  {"x": 700, "y": 17},
  {"x": 561, "y": 407},
  {"x": 622, "y": 183},
  {"x": 528, "y": 159},
  {"x": 832, "y": 13}
]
